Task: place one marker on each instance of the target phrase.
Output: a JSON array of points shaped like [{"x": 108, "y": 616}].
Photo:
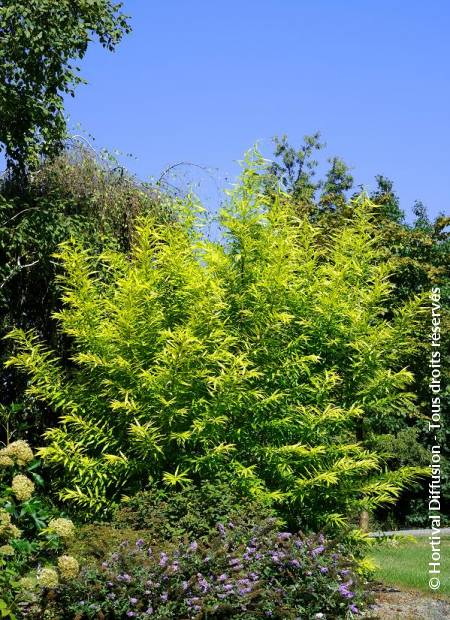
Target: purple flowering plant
[{"x": 234, "y": 574}]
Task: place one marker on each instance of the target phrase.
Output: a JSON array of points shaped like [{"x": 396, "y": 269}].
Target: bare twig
[
  {"x": 18, "y": 214},
  {"x": 184, "y": 163},
  {"x": 16, "y": 270},
  {"x": 83, "y": 139}
]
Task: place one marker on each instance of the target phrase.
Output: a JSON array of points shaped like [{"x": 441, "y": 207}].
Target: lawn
[{"x": 406, "y": 564}]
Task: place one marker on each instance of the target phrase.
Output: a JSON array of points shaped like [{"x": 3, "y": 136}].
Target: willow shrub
[{"x": 265, "y": 356}]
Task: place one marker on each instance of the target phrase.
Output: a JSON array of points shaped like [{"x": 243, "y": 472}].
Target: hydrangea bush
[
  {"x": 31, "y": 538},
  {"x": 266, "y": 574}
]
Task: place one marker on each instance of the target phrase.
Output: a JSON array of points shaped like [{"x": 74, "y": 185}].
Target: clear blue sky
[{"x": 203, "y": 80}]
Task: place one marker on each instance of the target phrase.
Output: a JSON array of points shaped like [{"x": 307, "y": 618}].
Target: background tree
[
  {"x": 338, "y": 181},
  {"x": 295, "y": 169},
  {"x": 40, "y": 43}
]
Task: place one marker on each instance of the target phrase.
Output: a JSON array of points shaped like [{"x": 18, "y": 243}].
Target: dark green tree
[
  {"x": 386, "y": 198},
  {"x": 338, "y": 181},
  {"x": 40, "y": 44},
  {"x": 295, "y": 169}
]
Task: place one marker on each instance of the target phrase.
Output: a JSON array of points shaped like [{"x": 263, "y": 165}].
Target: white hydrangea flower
[
  {"x": 68, "y": 566},
  {"x": 47, "y": 577},
  {"x": 22, "y": 487},
  {"x": 63, "y": 527},
  {"x": 20, "y": 451},
  {"x": 6, "y": 550}
]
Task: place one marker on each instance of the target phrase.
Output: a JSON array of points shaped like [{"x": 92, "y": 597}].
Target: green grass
[{"x": 406, "y": 564}]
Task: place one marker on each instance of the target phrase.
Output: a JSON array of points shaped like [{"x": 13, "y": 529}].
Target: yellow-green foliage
[{"x": 266, "y": 355}]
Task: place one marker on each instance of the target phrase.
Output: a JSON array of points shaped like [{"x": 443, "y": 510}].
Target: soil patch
[{"x": 394, "y": 604}]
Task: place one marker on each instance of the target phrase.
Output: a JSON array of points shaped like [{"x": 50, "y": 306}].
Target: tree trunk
[{"x": 364, "y": 521}]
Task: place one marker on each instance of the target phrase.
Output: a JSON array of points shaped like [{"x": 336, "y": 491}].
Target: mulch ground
[{"x": 393, "y": 604}]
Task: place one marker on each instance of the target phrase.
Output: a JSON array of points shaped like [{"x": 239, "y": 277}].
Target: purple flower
[
  {"x": 133, "y": 601},
  {"x": 111, "y": 596},
  {"x": 105, "y": 565},
  {"x": 323, "y": 570},
  {"x": 344, "y": 591},
  {"x": 284, "y": 535},
  {"x": 204, "y": 585},
  {"x": 317, "y": 550},
  {"x": 354, "y": 609},
  {"x": 193, "y": 546},
  {"x": 221, "y": 529},
  {"x": 124, "y": 577},
  {"x": 149, "y": 611},
  {"x": 248, "y": 552},
  {"x": 222, "y": 577},
  {"x": 115, "y": 556},
  {"x": 140, "y": 543},
  {"x": 295, "y": 563},
  {"x": 131, "y": 614},
  {"x": 228, "y": 587},
  {"x": 184, "y": 585},
  {"x": 164, "y": 596},
  {"x": 163, "y": 557},
  {"x": 234, "y": 561}
]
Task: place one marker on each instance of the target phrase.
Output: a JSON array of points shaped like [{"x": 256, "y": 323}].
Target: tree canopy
[
  {"x": 262, "y": 356},
  {"x": 40, "y": 43}
]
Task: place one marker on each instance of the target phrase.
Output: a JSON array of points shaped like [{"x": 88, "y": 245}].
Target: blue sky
[{"x": 202, "y": 81}]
